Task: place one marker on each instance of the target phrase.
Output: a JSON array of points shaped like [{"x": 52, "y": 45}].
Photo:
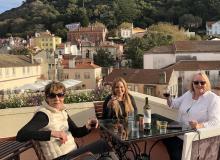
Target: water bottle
[{"x": 147, "y": 114}]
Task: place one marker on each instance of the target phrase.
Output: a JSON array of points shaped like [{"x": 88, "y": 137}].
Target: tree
[
  {"x": 104, "y": 58},
  {"x": 134, "y": 51},
  {"x": 178, "y": 34},
  {"x": 190, "y": 21},
  {"x": 126, "y": 11}
]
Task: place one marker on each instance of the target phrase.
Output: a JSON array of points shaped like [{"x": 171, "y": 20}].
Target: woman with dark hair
[
  {"x": 120, "y": 103},
  {"x": 198, "y": 107},
  {"x": 54, "y": 129}
]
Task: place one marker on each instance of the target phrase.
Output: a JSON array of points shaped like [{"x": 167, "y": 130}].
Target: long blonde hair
[{"x": 126, "y": 98}]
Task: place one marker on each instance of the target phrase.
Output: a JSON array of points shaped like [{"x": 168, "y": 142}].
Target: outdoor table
[{"x": 123, "y": 136}]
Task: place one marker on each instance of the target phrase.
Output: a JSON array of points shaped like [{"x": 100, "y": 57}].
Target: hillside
[{"x": 39, "y": 15}]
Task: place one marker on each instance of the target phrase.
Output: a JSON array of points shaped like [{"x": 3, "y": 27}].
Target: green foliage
[
  {"x": 22, "y": 101},
  {"x": 177, "y": 34},
  {"x": 189, "y": 21},
  {"x": 38, "y": 15},
  {"x": 16, "y": 101},
  {"x": 20, "y": 51},
  {"x": 104, "y": 58}
]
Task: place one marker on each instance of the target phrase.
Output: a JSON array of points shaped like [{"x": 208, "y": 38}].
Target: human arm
[
  {"x": 32, "y": 129},
  {"x": 77, "y": 131},
  {"x": 175, "y": 103},
  {"x": 213, "y": 113}
]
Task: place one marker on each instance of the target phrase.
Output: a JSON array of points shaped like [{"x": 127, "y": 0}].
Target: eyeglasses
[
  {"x": 199, "y": 82},
  {"x": 54, "y": 95}
]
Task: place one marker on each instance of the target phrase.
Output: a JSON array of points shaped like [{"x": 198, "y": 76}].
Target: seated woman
[
  {"x": 54, "y": 129},
  {"x": 120, "y": 103},
  {"x": 198, "y": 107}
]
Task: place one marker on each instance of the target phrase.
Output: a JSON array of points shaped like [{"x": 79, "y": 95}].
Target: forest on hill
[{"x": 39, "y": 15}]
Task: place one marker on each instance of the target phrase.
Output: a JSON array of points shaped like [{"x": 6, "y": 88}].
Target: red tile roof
[
  {"x": 187, "y": 46},
  {"x": 87, "y": 66},
  {"x": 191, "y": 65},
  {"x": 139, "y": 76}
]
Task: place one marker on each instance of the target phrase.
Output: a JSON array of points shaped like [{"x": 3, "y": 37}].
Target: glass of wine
[{"x": 166, "y": 93}]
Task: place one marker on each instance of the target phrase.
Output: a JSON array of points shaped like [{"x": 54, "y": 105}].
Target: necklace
[{"x": 193, "y": 102}]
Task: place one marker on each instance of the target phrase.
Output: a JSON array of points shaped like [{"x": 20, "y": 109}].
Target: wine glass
[{"x": 166, "y": 93}]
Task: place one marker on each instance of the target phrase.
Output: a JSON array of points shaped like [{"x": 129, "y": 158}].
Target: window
[
  {"x": 37, "y": 69},
  {"x": 24, "y": 71},
  {"x": 149, "y": 90},
  {"x": 66, "y": 76},
  {"x": 7, "y": 72},
  {"x": 77, "y": 75},
  {"x": 87, "y": 75},
  {"x": 1, "y": 72},
  {"x": 28, "y": 70},
  {"x": 13, "y": 71},
  {"x": 207, "y": 73}
]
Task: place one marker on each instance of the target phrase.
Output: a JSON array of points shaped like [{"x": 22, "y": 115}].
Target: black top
[
  {"x": 109, "y": 113},
  {"x": 40, "y": 120}
]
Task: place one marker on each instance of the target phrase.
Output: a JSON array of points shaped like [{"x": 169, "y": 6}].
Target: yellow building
[
  {"x": 89, "y": 74},
  {"x": 45, "y": 40},
  {"x": 17, "y": 70}
]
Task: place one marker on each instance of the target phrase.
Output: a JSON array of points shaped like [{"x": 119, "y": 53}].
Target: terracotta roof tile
[
  {"x": 138, "y": 76},
  {"x": 87, "y": 66},
  {"x": 191, "y": 65},
  {"x": 197, "y": 46},
  {"x": 187, "y": 46},
  {"x": 7, "y": 60},
  {"x": 161, "y": 49}
]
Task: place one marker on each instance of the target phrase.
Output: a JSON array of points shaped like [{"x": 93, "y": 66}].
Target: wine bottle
[{"x": 147, "y": 114}]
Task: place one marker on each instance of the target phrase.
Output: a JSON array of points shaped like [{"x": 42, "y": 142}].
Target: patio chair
[
  {"x": 98, "y": 106},
  {"x": 204, "y": 144},
  {"x": 10, "y": 149},
  {"x": 85, "y": 156}
]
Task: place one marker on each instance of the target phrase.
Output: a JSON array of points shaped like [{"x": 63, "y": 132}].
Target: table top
[{"x": 131, "y": 130}]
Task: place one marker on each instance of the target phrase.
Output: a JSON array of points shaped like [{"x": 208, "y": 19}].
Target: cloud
[{"x": 9, "y": 4}]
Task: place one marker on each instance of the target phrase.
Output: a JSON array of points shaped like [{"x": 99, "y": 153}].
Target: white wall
[{"x": 157, "y": 61}]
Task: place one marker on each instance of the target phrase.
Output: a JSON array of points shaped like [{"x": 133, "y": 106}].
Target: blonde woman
[
  {"x": 120, "y": 103},
  {"x": 198, "y": 107}
]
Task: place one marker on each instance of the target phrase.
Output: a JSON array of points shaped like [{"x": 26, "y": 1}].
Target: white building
[
  {"x": 67, "y": 48},
  {"x": 213, "y": 28},
  {"x": 17, "y": 70},
  {"x": 159, "y": 57}
]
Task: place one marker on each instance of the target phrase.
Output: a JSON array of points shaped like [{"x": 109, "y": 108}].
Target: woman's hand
[
  {"x": 92, "y": 123},
  {"x": 61, "y": 135},
  {"x": 112, "y": 102},
  {"x": 195, "y": 125}
]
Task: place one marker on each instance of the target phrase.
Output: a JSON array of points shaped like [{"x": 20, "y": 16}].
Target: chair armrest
[{"x": 85, "y": 156}]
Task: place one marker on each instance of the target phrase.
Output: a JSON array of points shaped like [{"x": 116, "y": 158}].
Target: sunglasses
[
  {"x": 199, "y": 82},
  {"x": 54, "y": 95}
]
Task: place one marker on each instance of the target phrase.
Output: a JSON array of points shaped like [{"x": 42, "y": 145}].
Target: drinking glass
[
  {"x": 163, "y": 126},
  {"x": 166, "y": 93}
]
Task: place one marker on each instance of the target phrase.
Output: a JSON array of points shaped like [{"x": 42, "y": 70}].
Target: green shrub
[{"x": 18, "y": 101}]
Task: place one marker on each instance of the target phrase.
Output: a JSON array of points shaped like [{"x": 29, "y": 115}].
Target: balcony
[{"x": 11, "y": 120}]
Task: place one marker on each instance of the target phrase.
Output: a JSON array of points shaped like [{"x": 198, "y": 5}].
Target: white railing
[{"x": 12, "y": 119}]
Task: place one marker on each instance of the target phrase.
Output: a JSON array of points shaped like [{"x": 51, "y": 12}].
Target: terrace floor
[{"x": 158, "y": 153}]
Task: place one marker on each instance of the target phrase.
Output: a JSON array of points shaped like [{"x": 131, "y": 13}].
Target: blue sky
[{"x": 8, "y": 4}]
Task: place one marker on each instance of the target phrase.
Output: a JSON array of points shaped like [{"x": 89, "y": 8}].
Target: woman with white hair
[{"x": 199, "y": 107}]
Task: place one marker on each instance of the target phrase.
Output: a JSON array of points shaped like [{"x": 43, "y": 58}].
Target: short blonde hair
[{"x": 204, "y": 76}]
